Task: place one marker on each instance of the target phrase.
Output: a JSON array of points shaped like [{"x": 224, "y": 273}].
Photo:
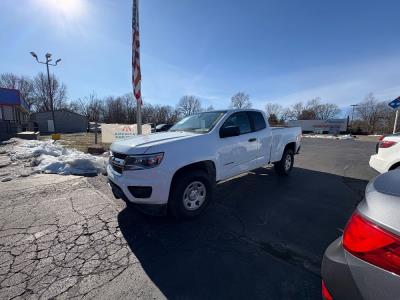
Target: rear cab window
[{"x": 258, "y": 120}]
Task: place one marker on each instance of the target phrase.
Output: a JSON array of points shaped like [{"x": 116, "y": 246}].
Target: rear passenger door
[
  {"x": 264, "y": 137},
  {"x": 238, "y": 154}
]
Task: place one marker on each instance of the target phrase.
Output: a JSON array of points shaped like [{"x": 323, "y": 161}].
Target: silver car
[{"x": 365, "y": 262}]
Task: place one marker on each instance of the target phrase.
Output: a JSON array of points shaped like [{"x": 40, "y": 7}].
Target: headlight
[{"x": 140, "y": 162}]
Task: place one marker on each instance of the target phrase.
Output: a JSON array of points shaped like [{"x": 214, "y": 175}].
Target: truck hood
[{"x": 139, "y": 144}]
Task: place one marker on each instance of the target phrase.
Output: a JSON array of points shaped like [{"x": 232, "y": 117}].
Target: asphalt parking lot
[{"x": 263, "y": 237}]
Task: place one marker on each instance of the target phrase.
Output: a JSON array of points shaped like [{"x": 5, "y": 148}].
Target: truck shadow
[{"x": 263, "y": 237}]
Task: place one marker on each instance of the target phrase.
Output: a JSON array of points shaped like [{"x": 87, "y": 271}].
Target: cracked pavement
[
  {"x": 59, "y": 237},
  {"x": 263, "y": 236}
]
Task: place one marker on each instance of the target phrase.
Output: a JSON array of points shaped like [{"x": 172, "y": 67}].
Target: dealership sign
[
  {"x": 395, "y": 104},
  {"x": 114, "y": 132}
]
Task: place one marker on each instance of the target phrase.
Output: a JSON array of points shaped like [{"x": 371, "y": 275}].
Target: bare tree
[
  {"x": 21, "y": 83},
  {"x": 241, "y": 100},
  {"x": 368, "y": 111},
  {"x": 210, "y": 108},
  {"x": 9, "y": 81},
  {"x": 41, "y": 93},
  {"x": 296, "y": 110},
  {"x": 322, "y": 111},
  {"x": 313, "y": 110},
  {"x": 90, "y": 106},
  {"x": 307, "y": 114},
  {"x": 374, "y": 116},
  {"x": 329, "y": 111},
  {"x": 273, "y": 119},
  {"x": 274, "y": 109},
  {"x": 131, "y": 106},
  {"x": 189, "y": 105}
]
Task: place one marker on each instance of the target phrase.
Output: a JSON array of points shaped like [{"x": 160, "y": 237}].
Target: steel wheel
[
  {"x": 288, "y": 162},
  {"x": 194, "y": 195}
]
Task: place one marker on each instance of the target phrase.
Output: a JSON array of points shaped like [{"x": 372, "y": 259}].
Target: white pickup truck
[{"x": 176, "y": 171}]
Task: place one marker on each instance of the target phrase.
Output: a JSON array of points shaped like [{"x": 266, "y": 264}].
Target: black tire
[
  {"x": 178, "y": 206},
  {"x": 283, "y": 167}
]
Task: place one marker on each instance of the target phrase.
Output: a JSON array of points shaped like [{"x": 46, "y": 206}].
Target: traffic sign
[{"x": 395, "y": 104}]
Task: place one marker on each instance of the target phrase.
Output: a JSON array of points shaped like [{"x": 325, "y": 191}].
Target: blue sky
[{"x": 277, "y": 51}]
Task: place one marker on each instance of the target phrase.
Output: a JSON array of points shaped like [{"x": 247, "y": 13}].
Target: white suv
[{"x": 388, "y": 156}]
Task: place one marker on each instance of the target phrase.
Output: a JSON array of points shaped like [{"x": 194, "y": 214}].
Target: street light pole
[{"x": 47, "y": 63}]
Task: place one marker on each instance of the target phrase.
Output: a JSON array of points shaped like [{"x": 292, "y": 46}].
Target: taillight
[
  {"x": 372, "y": 244},
  {"x": 325, "y": 293},
  {"x": 386, "y": 144},
  {"x": 381, "y": 137}
]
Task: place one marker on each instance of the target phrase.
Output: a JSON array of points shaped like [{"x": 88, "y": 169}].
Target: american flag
[{"x": 136, "y": 74}]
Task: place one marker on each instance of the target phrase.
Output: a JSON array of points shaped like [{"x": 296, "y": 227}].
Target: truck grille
[
  {"x": 117, "y": 168},
  {"x": 117, "y": 161},
  {"x": 119, "y": 155}
]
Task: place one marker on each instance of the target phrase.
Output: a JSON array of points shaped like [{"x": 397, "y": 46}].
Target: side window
[
  {"x": 258, "y": 120},
  {"x": 240, "y": 120}
]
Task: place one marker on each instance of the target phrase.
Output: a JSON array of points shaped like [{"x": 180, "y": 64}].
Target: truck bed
[{"x": 281, "y": 136}]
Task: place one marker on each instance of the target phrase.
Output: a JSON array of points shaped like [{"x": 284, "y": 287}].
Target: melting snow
[
  {"x": 52, "y": 157},
  {"x": 327, "y": 136}
]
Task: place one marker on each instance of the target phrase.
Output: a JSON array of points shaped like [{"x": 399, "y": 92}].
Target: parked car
[
  {"x": 364, "y": 263},
  {"x": 176, "y": 171},
  {"x": 388, "y": 154},
  {"x": 381, "y": 138},
  {"x": 93, "y": 127},
  {"x": 163, "y": 127}
]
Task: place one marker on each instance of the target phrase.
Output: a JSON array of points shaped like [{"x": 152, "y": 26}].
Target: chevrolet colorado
[{"x": 176, "y": 171}]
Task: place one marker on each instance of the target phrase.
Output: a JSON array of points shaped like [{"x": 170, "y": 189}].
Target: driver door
[{"x": 238, "y": 154}]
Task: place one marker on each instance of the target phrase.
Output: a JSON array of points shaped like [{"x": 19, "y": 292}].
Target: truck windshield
[{"x": 200, "y": 123}]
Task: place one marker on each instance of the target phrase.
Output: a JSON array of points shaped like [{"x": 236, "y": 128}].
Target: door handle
[{"x": 252, "y": 140}]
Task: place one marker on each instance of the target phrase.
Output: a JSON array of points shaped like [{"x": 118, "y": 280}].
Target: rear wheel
[
  {"x": 190, "y": 194},
  {"x": 285, "y": 165}
]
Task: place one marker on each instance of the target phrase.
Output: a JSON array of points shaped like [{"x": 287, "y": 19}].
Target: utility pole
[
  {"x": 47, "y": 63},
  {"x": 395, "y": 121}
]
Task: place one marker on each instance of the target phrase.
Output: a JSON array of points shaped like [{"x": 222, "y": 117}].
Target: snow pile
[
  {"x": 328, "y": 136},
  {"x": 52, "y": 157}
]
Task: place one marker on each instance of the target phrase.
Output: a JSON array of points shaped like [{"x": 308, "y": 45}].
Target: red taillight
[
  {"x": 325, "y": 293},
  {"x": 381, "y": 137},
  {"x": 373, "y": 244},
  {"x": 386, "y": 144}
]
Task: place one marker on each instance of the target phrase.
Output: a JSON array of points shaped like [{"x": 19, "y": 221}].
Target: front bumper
[
  {"x": 155, "y": 178},
  {"x": 378, "y": 164}
]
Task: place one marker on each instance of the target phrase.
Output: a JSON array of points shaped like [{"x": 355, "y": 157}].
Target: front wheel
[
  {"x": 190, "y": 194},
  {"x": 285, "y": 165}
]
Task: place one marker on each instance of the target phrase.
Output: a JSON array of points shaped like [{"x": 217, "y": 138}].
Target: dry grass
[
  {"x": 366, "y": 138},
  {"x": 78, "y": 141}
]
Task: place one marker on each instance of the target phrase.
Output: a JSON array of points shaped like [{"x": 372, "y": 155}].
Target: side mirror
[{"x": 229, "y": 131}]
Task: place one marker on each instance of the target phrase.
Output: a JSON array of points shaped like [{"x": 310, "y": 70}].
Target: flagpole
[
  {"x": 139, "y": 102},
  {"x": 139, "y": 117}
]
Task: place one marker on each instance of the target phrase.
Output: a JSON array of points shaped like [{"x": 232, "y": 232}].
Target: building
[
  {"x": 331, "y": 126},
  {"x": 65, "y": 121},
  {"x": 14, "y": 113}
]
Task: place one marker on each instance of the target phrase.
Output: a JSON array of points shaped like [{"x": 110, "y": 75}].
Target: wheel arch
[
  {"x": 291, "y": 146},
  {"x": 394, "y": 166},
  {"x": 207, "y": 166}
]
